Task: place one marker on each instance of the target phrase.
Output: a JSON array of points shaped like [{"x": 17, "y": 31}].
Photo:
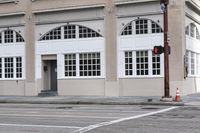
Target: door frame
[{"x": 46, "y": 72}]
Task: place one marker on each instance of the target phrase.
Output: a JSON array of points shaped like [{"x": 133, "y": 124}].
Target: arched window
[
  {"x": 70, "y": 32},
  {"x": 192, "y": 31},
  {"x": 10, "y": 36},
  {"x": 141, "y": 26}
]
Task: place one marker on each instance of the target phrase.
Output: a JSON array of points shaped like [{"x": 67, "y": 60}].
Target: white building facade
[{"x": 97, "y": 47}]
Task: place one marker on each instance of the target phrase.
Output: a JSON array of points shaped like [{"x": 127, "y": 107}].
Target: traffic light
[
  {"x": 164, "y": 2},
  {"x": 158, "y": 49}
]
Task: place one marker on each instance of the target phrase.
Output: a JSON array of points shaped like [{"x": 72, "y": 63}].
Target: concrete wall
[
  {"x": 93, "y": 87},
  {"x": 141, "y": 87},
  {"x": 12, "y": 87}
]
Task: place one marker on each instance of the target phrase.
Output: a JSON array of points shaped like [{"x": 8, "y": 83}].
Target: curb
[{"x": 91, "y": 102}]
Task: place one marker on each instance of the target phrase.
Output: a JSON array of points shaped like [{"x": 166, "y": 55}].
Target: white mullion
[
  {"x": 162, "y": 65},
  {"x": 150, "y": 62},
  {"x": 195, "y": 30},
  {"x": 14, "y": 67},
  {"x": 189, "y": 62},
  {"x": 198, "y": 66},
  {"x": 14, "y": 37},
  {"x": 134, "y": 63},
  {"x": 133, "y": 28},
  {"x": 3, "y": 37},
  {"x": 62, "y": 33},
  {"x": 195, "y": 64},
  {"x": 77, "y": 32},
  {"x": 3, "y": 68},
  {"x": 77, "y": 65},
  {"x": 102, "y": 64},
  {"x": 24, "y": 67},
  {"x": 123, "y": 62},
  {"x": 149, "y": 26}
]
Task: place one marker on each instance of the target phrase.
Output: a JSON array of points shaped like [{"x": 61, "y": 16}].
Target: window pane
[
  {"x": 192, "y": 64},
  {"x": 8, "y": 67},
  {"x": 70, "y": 32},
  {"x": 85, "y": 32},
  {"x": 142, "y": 62},
  {"x": 141, "y": 26},
  {"x": 53, "y": 35},
  {"x": 127, "y": 30},
  {"x": 8, "y": 36},
  {"x": 128, "y": 63},
  {"x": 155, "y": 28},
  {"x": 18, "y": 67},
  {"x": 90, "y": 64},
  {"x": 156, "y": 64},
  {"x": 19, "y": 38},
  {"x": 70, "y": 65}
]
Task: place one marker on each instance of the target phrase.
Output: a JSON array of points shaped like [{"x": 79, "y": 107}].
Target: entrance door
[
  {"x": 50, "y": 75},
  {"x": 53, "y": 64}
]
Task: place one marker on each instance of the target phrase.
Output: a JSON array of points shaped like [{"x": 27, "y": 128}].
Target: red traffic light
[{"x": 158, "y": 49}]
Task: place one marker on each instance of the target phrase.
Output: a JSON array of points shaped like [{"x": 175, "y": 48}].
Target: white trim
[
  {"x": 150, "y": 69},
  {"x": 132, "y": 2},
  {"x": 68, "y": 8},
  {"x": 3, "y": 68}
]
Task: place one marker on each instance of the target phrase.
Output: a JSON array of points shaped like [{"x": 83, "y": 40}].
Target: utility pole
[{"x": 164, "y": 8}]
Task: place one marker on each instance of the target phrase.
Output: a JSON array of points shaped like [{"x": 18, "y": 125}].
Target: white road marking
[
  {"x": 40, "y": 126},
  {"x": 60, "y": 116},
  {"x": 91, "y": 127}
]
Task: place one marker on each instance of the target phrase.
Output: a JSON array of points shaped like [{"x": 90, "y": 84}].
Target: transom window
[
  {"x": 142, "y": 63},
  {"x": 83, "y": 65},
  {"x": 53, "y": 35},
  {"x": 141, "y": 26},
  {"x": 192, "y": 31},
  {"x": 10, "y": 36},
  {"x": 70, "y": 32},
  {"x": 127, "y": 30},
  {"x": 10, "y": 67},
  {"x": 155, "y": 28}
]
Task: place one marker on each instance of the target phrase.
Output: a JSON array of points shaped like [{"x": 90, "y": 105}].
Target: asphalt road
[{"x": 33, "y": 118}]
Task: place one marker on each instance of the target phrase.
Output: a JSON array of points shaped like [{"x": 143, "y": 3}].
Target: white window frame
[
  {"x": 102, "y": 71},
  {"x": 14, "y": 38},
  {"x": 150, "y": 66},
  {"x": 196, "y": 64},
  {"x": 14, "y": 69},
  {"x": 77, "y": 33}
]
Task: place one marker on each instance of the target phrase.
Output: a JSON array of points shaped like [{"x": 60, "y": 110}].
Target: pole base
[{"x": 166, "y": 99}]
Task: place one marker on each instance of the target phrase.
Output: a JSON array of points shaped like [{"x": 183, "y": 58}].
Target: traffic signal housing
[{"x": 158, "y": 49}]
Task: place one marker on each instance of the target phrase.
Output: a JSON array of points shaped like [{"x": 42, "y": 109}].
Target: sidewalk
[{"x": 131, "y": 100}]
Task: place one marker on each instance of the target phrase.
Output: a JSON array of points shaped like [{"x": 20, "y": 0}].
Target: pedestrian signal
[{"x": 158, "y": 49}]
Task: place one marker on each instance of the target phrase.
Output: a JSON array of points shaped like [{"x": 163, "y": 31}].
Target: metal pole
[{"x": 166, "y": 53}]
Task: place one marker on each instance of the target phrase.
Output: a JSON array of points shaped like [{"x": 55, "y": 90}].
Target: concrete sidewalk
[{"x": 132, "y": 100}]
